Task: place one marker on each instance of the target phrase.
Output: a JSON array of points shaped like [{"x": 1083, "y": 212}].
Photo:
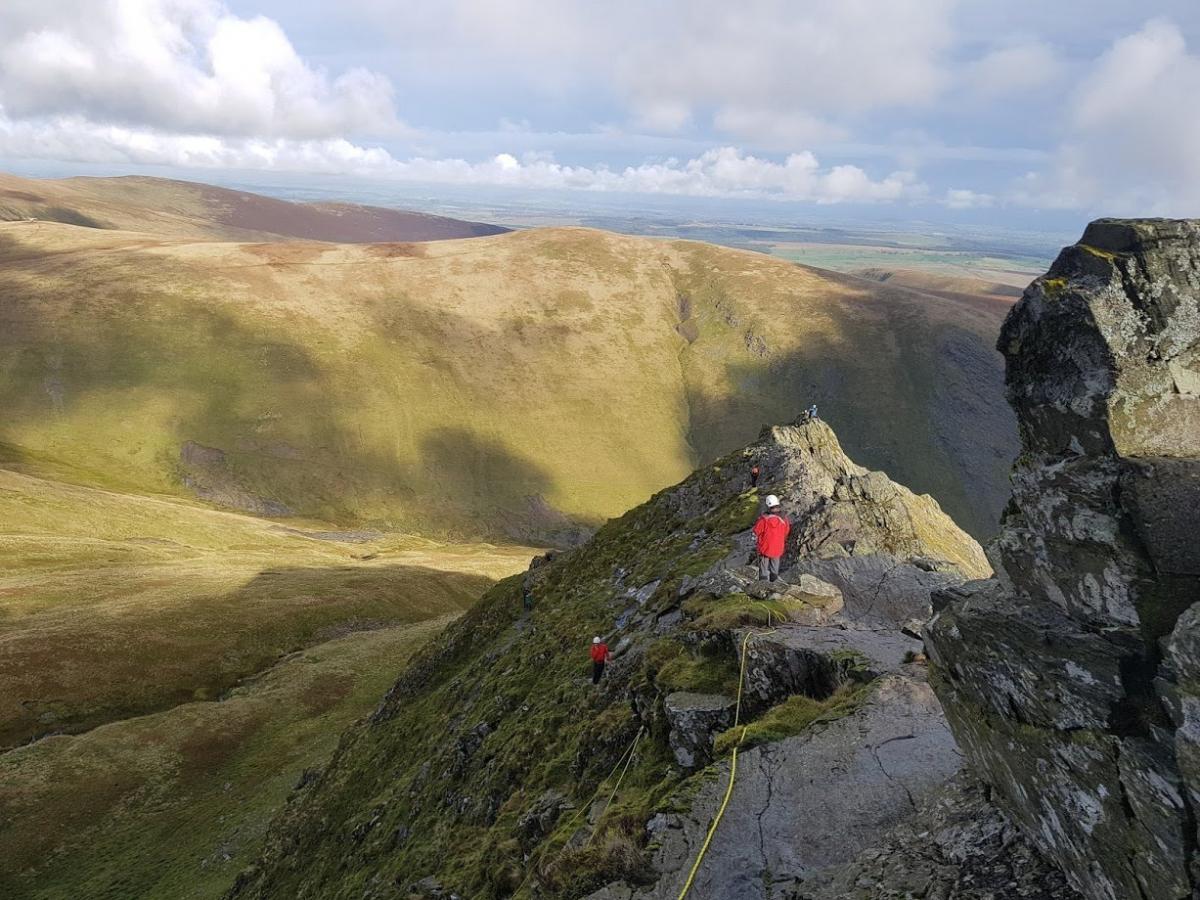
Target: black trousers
[{"x": 597, "y": 671}]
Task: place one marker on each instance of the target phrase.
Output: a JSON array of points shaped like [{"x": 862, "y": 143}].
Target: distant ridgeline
[{"x": 521, "y": 386}]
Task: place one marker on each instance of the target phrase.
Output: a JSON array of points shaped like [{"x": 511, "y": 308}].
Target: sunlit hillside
[{"x": 515, "y": 386}]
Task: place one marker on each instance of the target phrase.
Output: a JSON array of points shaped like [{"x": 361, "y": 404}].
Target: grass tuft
[{"x": 793, "y": 716}]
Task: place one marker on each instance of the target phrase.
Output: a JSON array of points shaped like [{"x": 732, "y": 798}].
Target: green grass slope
[
  {"x": 114, "y": 605},
  {"x": 175, "y": 804},
  {"x": 510, "y": 385}
]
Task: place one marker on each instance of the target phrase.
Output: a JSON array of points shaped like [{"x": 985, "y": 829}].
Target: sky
[{"x": 993, "y": 107}]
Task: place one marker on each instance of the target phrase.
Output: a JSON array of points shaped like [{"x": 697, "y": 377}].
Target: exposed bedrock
[{"x": 1072, "y": 678}]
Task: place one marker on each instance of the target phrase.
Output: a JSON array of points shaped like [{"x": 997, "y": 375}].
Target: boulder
[
  {"x": 1053, "y": 674},
  {"x": 694, "y": 720}
]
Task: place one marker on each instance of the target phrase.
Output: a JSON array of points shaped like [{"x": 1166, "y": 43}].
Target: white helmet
[
  {"x": 595, "y": 640},
  {"x": 772, "y": 501}
]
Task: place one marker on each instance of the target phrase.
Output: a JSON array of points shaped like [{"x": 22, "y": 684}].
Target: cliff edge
[{"x": 1072, "y": 678}]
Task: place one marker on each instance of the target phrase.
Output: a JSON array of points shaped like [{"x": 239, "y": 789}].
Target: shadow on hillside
[
  {"x": 125, "y": 344},
  {"x": 943, "y": 427},
  {"x": 387, "y": 591},
  {"x": 102, "y": 667},
  {"x": 464, "y": 471},
  {"x": 117, "y": 344}
]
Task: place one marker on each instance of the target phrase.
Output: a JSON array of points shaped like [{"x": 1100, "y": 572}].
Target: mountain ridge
[
  {"x": 166, "y": 206},
  {"x": 472, "y": 777},
  {"x": 524, "y": 385}
]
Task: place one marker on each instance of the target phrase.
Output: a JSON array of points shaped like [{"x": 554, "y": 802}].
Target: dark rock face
[
  {"x": 958, "y": 847},
  {"x": 694, "y": 720},
  {"x": 1070, "y": 679}
]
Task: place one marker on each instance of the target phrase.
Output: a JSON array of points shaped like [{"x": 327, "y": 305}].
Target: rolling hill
[
  {"x": 520, "y": 385},
  {"x": 187, "y": 209}
]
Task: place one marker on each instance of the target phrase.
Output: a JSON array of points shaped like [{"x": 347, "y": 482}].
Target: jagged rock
[
  {"x": 539, "y": 820},
  {"x": 808, "y": 802},
  {"x": 840, "y": 509},
  {"x": 1052, "y": 675},
  {"x": 815, "y": 661},
  {"x": 694, "y": 719},
  {"x": 958, "y": 847},
  {"x": 881, "y": 589}
]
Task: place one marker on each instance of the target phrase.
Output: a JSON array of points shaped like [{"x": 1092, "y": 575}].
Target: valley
[
  {"x": 247, "y": 471},
  {"x": 170, "y": 670}
]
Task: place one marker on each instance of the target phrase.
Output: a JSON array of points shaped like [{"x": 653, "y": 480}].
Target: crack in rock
[{"x": 888, "y": 775}]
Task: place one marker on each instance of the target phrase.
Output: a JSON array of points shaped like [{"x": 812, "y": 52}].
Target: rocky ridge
[
  {"x": 1070, "y": 679},
  {"x": 495, "y": 769}
]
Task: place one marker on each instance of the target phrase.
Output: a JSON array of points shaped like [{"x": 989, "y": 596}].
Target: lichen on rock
[{"x": 1053, "y": 674}]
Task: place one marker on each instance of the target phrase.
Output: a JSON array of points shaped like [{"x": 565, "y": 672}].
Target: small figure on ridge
[
  {"x": 755, "y": 471},
  {"x": 600, "y": 656}
]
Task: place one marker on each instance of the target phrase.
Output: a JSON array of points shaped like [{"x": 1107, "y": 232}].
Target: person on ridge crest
[{"x": 771, "y": 531}]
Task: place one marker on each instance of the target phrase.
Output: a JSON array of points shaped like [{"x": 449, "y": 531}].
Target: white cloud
[
  {"x": 1014, "y": 69},
  {"x": 771, "y": 129},
  {"x": 723, "y": 172},
  {"x": 1132, "y": 140},
  {"x": 765, "y": 67},
  {"x": 962, "y": 198},
  {"x": 183, "y": 66},
  {"x": 775, "y": 73},
  {"x": 75, "y": 139}
]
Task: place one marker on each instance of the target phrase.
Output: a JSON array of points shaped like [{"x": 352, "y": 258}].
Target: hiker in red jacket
[
  {"x": 600, "y": 656},
  {"x": 771, "y": 530}
]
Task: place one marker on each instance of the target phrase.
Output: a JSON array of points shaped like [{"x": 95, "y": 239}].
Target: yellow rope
[
  {"x": 737, "y": 715},
  {"x": 571, "y": 823},
  {"x": 616, "y": 787}
]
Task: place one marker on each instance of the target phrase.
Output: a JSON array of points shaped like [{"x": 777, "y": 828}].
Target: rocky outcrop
[
  {"x": 840, "y": 509},
  {"x": 512, "y": 775},
  {"x": 694, "y": 719},
  {"x": 1053, "y": 674},
  {"x": 959, "y": 846},
  {"x": 807, "y": 803}
]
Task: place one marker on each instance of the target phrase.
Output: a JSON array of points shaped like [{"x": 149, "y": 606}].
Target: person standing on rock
[
  {"x": 600, "y": 656},
  {"x": 755, "y": 471},
  {"x": 771, "y": 531}
]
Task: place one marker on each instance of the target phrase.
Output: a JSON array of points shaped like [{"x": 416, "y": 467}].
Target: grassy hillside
[
  {"x": 114, "y": 605},
  {"x": 176, "y": 803},
  {"x": 187, "y": 209},
  {"x": 507, "y": 385}
]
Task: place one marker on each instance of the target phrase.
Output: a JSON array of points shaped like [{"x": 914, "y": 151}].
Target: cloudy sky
[{"x": 975, "y": 104}]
